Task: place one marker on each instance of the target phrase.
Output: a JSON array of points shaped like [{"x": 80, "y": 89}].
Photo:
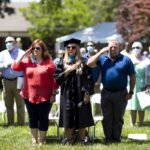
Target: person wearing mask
[
  {"x": 95, "y": 70},
  {"x": 75, "y": 82},
  {"x": 9, "y": 81},
  {"x": 115, "y": 70},
  {"x": 140, "y": 64},
  {"x": 39, "y": 87}
]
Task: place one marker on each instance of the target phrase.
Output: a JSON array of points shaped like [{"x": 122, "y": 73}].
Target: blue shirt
[
  {"x": 115, "y": 73},
  {"x": 95, "y": 73},
  {"x": 94, "y": 70},
  {"x": 6, "y": 58}
]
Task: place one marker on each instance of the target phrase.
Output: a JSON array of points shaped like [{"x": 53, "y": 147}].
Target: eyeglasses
[
  {"x": 90, "y": 45},
  {"x": 9, "y": 42},
  {"x": 71, "y": 47},
  {"x": 36, "y": 48},
  {"x": 136, "y": 47}
]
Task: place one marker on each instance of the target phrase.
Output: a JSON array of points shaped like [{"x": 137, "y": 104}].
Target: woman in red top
[{"x": 38, "y": 87}]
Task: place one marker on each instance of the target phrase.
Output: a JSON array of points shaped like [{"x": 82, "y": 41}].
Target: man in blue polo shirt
[{"x": 116, "y": 69}]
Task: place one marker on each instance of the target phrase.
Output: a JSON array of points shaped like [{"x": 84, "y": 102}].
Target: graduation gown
[{"x": 73, "y": 112}]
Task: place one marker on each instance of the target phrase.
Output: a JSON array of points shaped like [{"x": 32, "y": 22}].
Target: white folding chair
[
  {"x": 2, "y": 108},
  {"x": 95, "y": 99},
  {"x": 54, "y": 114}
]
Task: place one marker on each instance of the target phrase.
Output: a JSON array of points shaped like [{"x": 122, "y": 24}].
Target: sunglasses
[
  {"x": 90, "y": 45},
  {"x": 136, "y": 47},
  {"x": 71, "y": 47},
  {"x": 36, "y": 48},
  {"x": 9, "y": 42}
]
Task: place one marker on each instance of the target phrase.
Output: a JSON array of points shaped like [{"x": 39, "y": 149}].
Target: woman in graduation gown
[{"x": 75, "y": 81}]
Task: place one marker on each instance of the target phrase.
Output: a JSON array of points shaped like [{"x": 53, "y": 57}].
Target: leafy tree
[
  {"x": 103, "y": 10},
  {"x": 5, "y": 9},
  {"x": 133, "y": 20},
  {"x": 53, "y": 18}
]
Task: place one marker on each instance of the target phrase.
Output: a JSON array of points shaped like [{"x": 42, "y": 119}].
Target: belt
[
  {"x": 13, "y": 79},
  {"x": 114, "y": 90}
]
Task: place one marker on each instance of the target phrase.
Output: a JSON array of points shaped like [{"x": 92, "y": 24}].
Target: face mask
[
  {"x": 72, "y": 59},
  {"x": 136, "y": 51},
  {"x": 90, "y": 49},
  {"x": 9, "y": 46}
]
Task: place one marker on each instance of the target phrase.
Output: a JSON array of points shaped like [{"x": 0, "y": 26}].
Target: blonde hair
[
  {"x": 77, "y": 60},
  {"x": 77, "y": 55}
]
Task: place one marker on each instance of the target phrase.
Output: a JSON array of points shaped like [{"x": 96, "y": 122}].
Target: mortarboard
[{"x": 76, "y": 41}]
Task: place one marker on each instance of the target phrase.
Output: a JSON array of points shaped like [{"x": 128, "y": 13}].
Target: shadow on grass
[
  {"x": 53, "y": 139},
  {"x": 146, "y": 124}
]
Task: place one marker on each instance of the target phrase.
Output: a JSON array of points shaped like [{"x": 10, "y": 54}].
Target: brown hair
[{"x": 45, "y": 53}]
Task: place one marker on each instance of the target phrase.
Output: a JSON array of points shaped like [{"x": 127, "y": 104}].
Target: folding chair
[
  {"x": 95, "y": 99},
  {"x": 2, "y": 108},
  {"x": 54, "y": 114}
]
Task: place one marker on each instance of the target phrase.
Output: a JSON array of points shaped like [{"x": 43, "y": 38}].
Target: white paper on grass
[
  {"x": 137, "y": 136},
  {"x": 144, "y": 99}
]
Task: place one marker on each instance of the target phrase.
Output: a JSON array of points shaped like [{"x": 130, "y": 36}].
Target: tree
[
  {"x": 133, "y": 20},
  {"x": 103, "y": 10},
  {"x": 5, "y": 9},
  {"x": 53, "y": 18}
]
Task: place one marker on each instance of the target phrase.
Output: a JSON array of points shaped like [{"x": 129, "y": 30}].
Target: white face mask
[
  {"x": 90, "y": 49},
  {"x": 9, "y": 46},
  {"x": 136, "y": 51}
]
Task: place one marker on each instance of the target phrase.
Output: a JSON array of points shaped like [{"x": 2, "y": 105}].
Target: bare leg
[
  {"x": 133, "y": 117},
  {"x": 68, "y": 133},
  {"x": 42, "y": 137},
  {"x": 82, "y": 134},
  {"x": 34, "y": 133}
]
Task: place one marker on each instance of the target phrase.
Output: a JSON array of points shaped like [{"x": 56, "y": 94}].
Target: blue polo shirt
[{"x": 115, "y": 73}]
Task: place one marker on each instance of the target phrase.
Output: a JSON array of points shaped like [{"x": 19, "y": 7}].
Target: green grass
[{"x": 19, "y": 138}]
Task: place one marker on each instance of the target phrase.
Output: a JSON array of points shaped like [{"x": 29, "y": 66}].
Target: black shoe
[
  {"x": 116, "y": 140},
  {"x": 107, "y": 141}
]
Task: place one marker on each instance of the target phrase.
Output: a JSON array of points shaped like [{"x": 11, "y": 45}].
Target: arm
[
  {"x": 4, "y": 65},
  {"x": 132, "y": 82},
  {"x": 92, "y": 60},
  {"x": 131, "y": 88},
  {"x": 18, "y": 63},
  {"x": 27, "y": 53},
  {"x": 147, "y": 76},
  {"x": 61, "y": 73},
  {"x": 98, "y": 82}
]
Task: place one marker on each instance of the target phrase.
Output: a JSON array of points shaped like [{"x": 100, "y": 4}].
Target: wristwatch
[{"x": 131, "y": 92}]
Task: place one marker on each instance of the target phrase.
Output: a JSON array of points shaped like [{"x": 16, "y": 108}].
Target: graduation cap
[{"x": 76, "y": 41}]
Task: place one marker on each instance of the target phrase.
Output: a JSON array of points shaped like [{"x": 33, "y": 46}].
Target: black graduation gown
[{"x": 73, "y": 112}]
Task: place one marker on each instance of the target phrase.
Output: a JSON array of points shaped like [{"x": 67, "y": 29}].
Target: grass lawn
[{"x": 18, "y": 138}]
